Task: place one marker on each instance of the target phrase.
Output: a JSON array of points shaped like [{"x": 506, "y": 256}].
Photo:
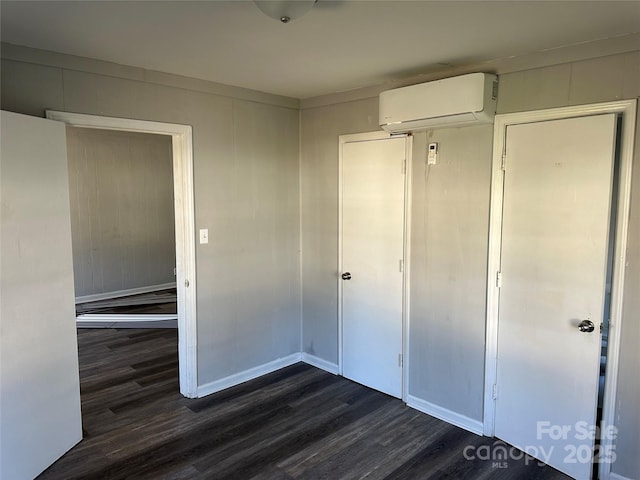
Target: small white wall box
[{"x": 432, "y": 154}]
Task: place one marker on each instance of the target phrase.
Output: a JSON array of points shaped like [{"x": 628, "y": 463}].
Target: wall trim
[
  {"x": 500, "y": 66},
  {"x": 406, "y": 293},
  {"x": 320, "y": 363},
  {"x": 127, "y": 321},
  {"x": 444, "y": 414},
  {"x": 615, "y": 476},
  {"x": 246, "y": 375},
  {"x": 48, "y": 58},
  {"x": 123, "y": 293},
  {"x": 184, "y": 205},
  {"x": 300, "y": 237}
]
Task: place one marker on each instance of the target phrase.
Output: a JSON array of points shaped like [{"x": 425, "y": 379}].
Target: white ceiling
[{"x": 339, "y": 45}]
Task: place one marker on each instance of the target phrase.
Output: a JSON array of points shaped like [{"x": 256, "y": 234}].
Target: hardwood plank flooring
[
  {"x": 297, "y": 423},
  {"x": 160, "y": 302}
]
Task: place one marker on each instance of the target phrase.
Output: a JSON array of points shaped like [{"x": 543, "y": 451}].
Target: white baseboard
[
  {"x": 320, "y": 363},
  {"x": 123, "y": 293},
  {"x": 97, "y": 320},
  {"x": 462, "y": 421},
  {"x": 615, "y": 476},
  {"x": 241, "y": 377}
]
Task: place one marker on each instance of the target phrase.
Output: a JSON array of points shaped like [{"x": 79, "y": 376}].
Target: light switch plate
[{"x": 204, "y": 235}]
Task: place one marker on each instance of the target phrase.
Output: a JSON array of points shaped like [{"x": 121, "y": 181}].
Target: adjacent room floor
[
  {"x": 159, "y": 303},
  {"x": 297, "y": 423}
]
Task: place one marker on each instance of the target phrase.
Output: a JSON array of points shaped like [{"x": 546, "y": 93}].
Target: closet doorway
[
  {"x": 183, "y": 204},
  {"x": 373, "y": 205},
  {"x": 559, "y": 221}
]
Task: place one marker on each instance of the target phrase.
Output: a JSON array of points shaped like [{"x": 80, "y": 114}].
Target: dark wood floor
[
  {"x": 296, "y": 423},
  {"x": 161, "y": 302}
]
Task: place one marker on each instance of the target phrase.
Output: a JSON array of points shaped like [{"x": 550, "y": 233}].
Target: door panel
[
  {"x": 557, "y": 195},
  {"x": 39, "y": 380},
  {"x": 372, "y": 249}
]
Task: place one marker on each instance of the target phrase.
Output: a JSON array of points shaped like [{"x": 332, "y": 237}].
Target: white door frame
[
  {"x": 627, "y": 108},
  {"x": 182, "y": 142},
  {"x": 364, "y": 137}
]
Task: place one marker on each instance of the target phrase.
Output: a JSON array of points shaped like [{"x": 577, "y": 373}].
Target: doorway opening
[
  {"x": 182, "y": 165},
  {"x": 122, "y": 228}
]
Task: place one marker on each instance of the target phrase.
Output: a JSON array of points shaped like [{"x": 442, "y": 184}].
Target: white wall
[
  {"x": 449, "y": 242},
  {"x": 122, "y": 212}
]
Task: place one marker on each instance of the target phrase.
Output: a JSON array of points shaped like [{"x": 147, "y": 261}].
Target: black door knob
[
  {"x": 346, "y": 276},
  {"x": 586, "y": 326}
]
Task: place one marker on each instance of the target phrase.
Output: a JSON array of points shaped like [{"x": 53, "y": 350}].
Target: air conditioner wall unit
[{"x": 457, "y": 101}]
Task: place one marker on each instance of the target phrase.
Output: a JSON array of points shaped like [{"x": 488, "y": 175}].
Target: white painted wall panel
[
  {"x": 253, "y": 291},
  {"x": 449, "y": 241}
]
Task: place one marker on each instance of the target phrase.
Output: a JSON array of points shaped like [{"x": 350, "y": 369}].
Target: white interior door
[
  {"x": 372, "y": 239},
  {"x": 557, "y": 202},
  {"x": 39, "y": 380}
]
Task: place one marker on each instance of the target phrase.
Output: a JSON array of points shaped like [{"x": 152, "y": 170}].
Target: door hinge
[
  {"x": 503, "y": 162},
  {"x": 404, "y": 165},
  {"x": 400, "y": 360},
  {"x": 499, "y": 279},
  {"x": 494, "y": 391},
  {"x": 401, "y": 265},
  {"x": 186, "y": 283}
]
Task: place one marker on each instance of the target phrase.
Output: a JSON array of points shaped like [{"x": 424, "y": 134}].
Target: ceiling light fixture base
[{"x": 286, "y": 11}]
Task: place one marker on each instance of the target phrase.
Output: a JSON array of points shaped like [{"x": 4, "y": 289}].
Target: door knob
[
  {"x": 346, "y": 276},
  {"x": 586, "y": 326}
]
